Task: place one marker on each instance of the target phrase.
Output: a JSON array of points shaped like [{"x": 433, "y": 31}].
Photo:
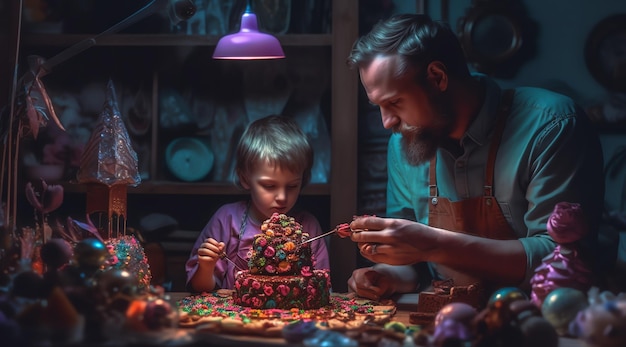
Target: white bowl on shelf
[{"x": 189, "y": 159}]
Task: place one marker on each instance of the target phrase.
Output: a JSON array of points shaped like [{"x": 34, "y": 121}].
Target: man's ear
[{"x": 437, "y": 75}]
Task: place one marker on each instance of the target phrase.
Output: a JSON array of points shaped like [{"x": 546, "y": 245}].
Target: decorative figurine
[
  {"x": 603, "y": 322},
  {"x": 108, "y": 165},
  {"x": 564, "y": 267}
]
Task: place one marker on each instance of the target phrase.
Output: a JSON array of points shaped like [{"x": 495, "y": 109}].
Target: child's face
[{"x": 272, "y": 189}]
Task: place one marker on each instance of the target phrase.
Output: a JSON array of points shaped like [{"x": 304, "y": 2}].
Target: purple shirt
[{"x": 225, "y": 226}]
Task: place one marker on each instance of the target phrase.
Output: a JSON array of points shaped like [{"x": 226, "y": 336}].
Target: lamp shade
[{"x": 248, "y": 43}]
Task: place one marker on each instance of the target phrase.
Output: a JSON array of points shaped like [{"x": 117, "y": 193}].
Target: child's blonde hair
[{"x": 277, "y": 140}]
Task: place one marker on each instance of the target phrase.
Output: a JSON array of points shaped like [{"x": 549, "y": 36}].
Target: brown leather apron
[{"x": 480, "y": 216}]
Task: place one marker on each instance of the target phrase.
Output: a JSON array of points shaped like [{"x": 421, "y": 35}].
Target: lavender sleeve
[{"x": 223, "y": 226}]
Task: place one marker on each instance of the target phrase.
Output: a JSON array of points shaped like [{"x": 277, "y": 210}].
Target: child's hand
[{"x": 209, "y": 251}]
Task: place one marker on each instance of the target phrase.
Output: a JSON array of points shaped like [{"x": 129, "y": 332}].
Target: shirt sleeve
[
  {"x": 565, "y": 165},
  {"x": 219, "y": 227}
]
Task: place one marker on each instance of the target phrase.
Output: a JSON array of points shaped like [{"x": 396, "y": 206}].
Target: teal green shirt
[{"x": 549, "y": 154}]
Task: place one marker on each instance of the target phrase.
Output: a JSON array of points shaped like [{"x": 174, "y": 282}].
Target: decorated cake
[{"x": 281, "y": 270}]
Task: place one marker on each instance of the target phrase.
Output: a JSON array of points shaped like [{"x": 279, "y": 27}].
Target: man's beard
[{"x": 420, "y": 144}]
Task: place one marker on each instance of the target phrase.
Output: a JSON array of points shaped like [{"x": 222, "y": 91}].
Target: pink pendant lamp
[{"x": 248, "y": 43}]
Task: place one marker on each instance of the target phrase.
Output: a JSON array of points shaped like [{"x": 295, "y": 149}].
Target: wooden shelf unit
[
  {"x": 66, "y": 40},
  {"x": 194, "y": 188},
  {"x": 341, "y": 189}
]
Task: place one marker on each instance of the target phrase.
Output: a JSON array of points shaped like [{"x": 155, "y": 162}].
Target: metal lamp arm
[{"x": 152, "y": 7}]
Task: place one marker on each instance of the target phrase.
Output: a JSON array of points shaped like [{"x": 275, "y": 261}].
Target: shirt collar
[{"x": 481, "y": 127}]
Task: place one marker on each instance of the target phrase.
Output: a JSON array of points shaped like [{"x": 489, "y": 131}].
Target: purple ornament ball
[
  {"x": 56, "y": 253},
  {"x": 457, "y": 311}
]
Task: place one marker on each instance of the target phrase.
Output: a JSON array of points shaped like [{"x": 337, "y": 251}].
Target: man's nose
[{"x": 388, "y": 118}]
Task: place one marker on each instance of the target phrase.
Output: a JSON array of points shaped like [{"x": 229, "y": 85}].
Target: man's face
[{"x": 416, "y": 110}]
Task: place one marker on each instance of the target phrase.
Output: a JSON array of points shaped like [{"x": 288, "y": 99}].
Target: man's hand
[
  {"x": 394, "y": 241},
  {"x": 371, "y": 284}
]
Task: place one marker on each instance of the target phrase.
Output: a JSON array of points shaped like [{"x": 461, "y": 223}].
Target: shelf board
[
  {"x": 183, "y": 188},
  {"x": 66, "y": 40}
]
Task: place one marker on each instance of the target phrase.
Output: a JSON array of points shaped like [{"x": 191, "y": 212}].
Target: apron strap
[
  {"x": 432, "y": 173},
  {"x": 503, "y": 113}
]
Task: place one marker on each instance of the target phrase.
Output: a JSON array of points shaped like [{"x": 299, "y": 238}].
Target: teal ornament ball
[
  {"x": 90, "y": 254},
  {"x": 503, "y": 297},
  {"x": 561, "y": 306}
]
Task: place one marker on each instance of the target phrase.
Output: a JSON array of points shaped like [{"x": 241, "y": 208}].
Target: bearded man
[{"x": 474, "y": 171}]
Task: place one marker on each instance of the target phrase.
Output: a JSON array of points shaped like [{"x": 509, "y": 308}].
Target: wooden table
[{"x": 406, "y": 304}]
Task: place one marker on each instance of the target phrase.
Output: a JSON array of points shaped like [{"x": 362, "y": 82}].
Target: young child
[{"x": 274, "y": 160}]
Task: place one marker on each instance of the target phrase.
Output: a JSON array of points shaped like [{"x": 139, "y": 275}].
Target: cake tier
[
  {"x": 308, "y": 291},
  {"x": 283, "y": 256},
  {"x": 278, "y": 249}
]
